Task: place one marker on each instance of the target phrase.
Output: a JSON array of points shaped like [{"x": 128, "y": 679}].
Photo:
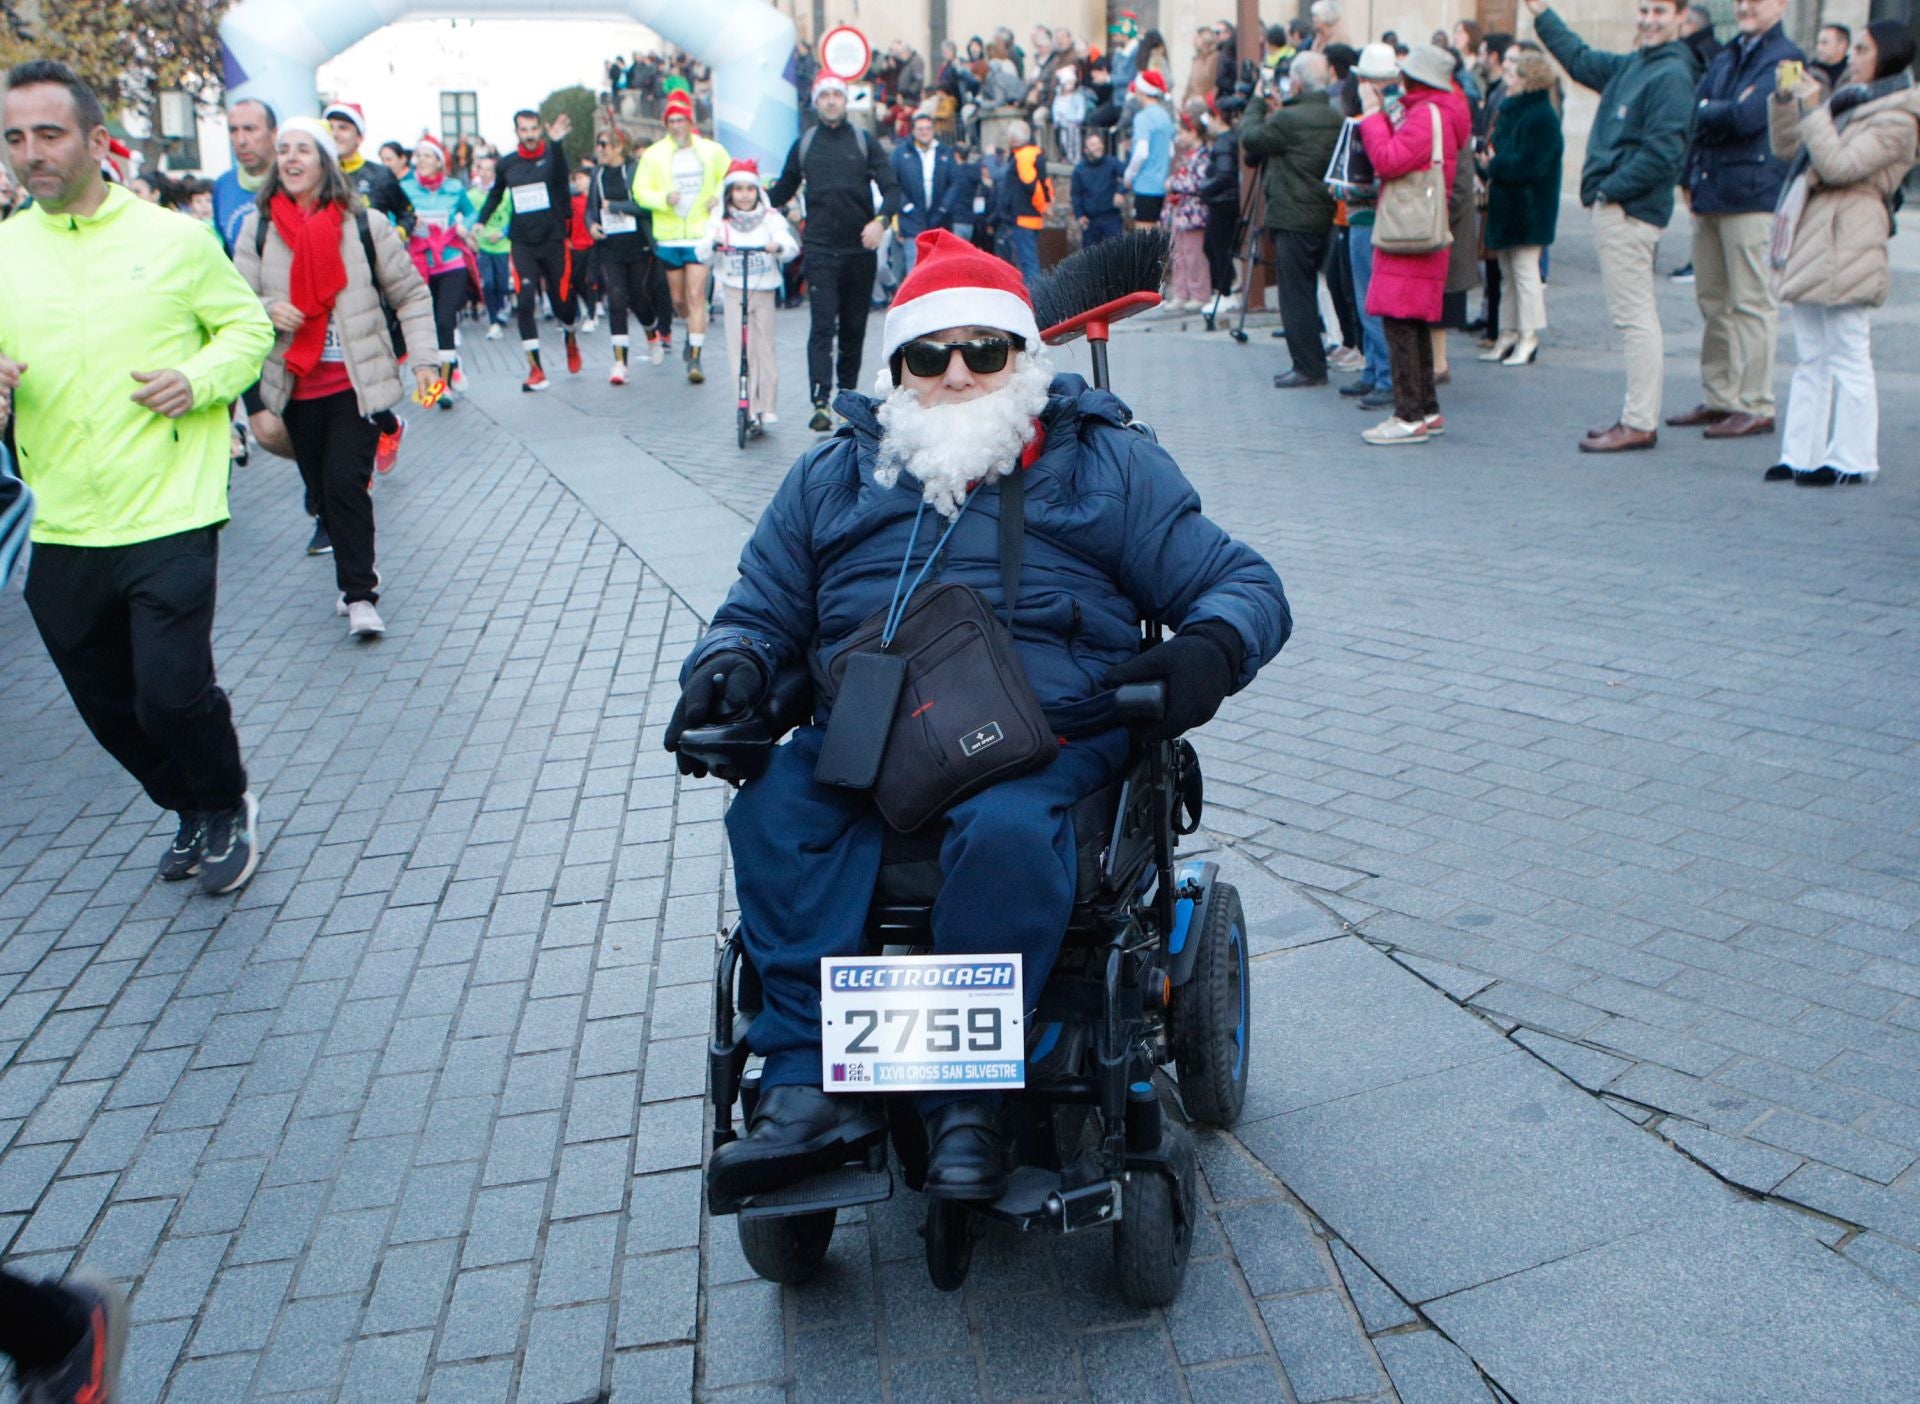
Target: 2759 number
[{"x": 941, "y": 1034}]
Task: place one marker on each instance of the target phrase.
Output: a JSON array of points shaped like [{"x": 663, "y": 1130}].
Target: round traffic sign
[{"x": 845, "y": 53}]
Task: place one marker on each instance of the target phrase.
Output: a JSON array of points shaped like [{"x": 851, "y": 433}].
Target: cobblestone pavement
[{"x": 1620, "y": 754}]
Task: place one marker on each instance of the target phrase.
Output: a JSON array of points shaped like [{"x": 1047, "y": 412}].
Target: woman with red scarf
[{"x": 321, "y": 264}]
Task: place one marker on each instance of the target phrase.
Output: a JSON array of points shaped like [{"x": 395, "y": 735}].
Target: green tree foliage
[
  {"x": 130, "y": 51},
  {"x": 579, "y": 104}
]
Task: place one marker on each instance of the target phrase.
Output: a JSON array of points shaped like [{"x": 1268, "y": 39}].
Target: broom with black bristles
[{"x": 1086, "y": 294}]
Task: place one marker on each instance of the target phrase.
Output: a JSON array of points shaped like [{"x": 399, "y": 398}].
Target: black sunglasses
[{"x": 984, "y": 356}]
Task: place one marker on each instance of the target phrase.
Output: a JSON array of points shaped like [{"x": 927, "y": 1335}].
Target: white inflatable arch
[{"x": 273, "y": 47}]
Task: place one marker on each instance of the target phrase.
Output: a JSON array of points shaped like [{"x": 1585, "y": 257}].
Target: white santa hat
[
  {"x": 1150, "y": 83},
  {"x": 954, "y": 283}
]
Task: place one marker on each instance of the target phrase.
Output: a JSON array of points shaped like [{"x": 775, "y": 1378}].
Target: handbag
[
  {"x": 1350, "y": 173},
  {"x": 1412, "y": 214},
  {"x": 966, "y": 717}
]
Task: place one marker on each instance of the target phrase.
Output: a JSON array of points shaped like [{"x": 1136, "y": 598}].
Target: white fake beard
[{"x": 947, "y": 447}]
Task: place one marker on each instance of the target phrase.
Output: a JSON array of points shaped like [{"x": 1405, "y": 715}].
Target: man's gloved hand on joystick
[
  {"x": 1199, "y": 666},
  {"x": 724, "y": 687}
]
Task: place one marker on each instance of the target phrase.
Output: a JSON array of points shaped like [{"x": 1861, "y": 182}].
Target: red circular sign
[{"x": 845, "y": 53}]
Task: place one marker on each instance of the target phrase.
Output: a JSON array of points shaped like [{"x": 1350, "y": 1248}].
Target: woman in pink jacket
[{"x": 1407, "y": 289}]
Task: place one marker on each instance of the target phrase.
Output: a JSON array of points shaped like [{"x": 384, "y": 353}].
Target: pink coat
[{"x": 1412, "y": 285}]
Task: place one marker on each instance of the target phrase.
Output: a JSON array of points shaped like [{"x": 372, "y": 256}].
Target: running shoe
[
  {"x": 657, "y": 350},
  {"x": 319, "y": 544},
  {"x": 1436, "y": 424},
  {"x": 618, "y": 375},
  {"x": 90, "y": 1373},
  {"x": 694, "y": 373},
  {"x": 363, "y": 621},
  {"x": 573, "y": 355},
  {"x": 458, "y": 381},
  {"x": 1390, "y": 433},
  {"x": 183, "y": 855},
  {"x": 587, "y": 327},
  {"x": 536, "y": 380},
  {"x": 1681, "y": 275},
  {"x": 495, "y": 332},
  {"x": 388, "y": 450},
  {"x": 769, "y": 418},
  {"x": 821, "y": 421},
  {"x": 340, "y": 605},
  {"x": 233, "y": 848}
]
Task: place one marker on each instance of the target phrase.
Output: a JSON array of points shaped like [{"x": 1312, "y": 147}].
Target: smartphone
[{"x": 1789, "y": 76}]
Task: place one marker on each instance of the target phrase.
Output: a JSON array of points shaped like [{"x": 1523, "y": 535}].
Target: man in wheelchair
[{"x": 909, "y": 494}]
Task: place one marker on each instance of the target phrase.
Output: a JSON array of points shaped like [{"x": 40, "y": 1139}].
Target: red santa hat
[
  {"x": 957, "y": 284},
  {"x": 679, "y": 104},
  {"x": 439, "y": 148},
  {"x": 829, "y": 83},
  {"x": 1151, "y": 83},
  {"x": 742, "y": 172},
  {"x": 347, "y": 112}
]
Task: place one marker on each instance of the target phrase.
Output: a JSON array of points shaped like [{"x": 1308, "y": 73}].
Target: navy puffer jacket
[
  {"x": 1114, "y": 532},
  {"x": 1731, "y": 168}
]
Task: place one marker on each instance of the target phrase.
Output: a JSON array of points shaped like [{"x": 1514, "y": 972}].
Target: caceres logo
[
  {"x": 926, "y": 975},
  {"x": 977, "y": 740}
]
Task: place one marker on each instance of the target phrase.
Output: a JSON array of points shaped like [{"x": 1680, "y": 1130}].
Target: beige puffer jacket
[
  {"x": 377, "y": 383},
  {"x": 1839, "y": 253}
]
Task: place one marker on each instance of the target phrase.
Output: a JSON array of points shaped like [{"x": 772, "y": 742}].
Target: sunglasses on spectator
[{"x": 983, "y": 356}]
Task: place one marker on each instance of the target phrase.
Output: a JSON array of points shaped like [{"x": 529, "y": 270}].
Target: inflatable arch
[{"x": 273, "y": 47}]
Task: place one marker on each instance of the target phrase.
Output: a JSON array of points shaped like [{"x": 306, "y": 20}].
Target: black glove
[
  {"x": 726, "y": 685},
  {"x": 1199, "y": 666}
]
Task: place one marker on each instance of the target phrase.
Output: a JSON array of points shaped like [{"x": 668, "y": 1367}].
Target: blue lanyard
[{"x": 897, "y": 610}]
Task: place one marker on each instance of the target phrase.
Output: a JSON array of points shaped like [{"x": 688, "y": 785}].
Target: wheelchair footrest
[
  {"x": 839, "y": 1188},
  {"x": 1036, "y": 1201}
]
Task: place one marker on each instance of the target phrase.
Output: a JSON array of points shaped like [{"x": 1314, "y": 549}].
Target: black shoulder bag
[{"x": 929, "y": 702}]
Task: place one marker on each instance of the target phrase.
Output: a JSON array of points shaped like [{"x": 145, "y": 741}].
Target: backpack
[{"x": 806, "y": 144}]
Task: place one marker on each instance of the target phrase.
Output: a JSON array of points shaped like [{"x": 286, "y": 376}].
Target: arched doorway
[{"x": 273, "y": 48}]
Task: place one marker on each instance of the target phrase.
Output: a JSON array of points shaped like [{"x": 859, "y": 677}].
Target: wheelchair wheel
[
  {"x": 788, "y": 1250},
  {"x": 1153, "y": 1238},
  {"x": 949, "y": 1244},
  {"x": 1210, "y": 1023}
]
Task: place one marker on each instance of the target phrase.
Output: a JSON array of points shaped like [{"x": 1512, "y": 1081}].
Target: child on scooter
[{"x": 746, "y": 244}]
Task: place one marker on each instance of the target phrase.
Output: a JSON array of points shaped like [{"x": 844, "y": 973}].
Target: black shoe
[
  {"x": 1358, "y": 388},
  {"x": 319, "y": 544},
  {"x": 1819, "y": 477},
  {"x": 694, "y": 373},
  {"x": 1374, "y": 400},
  {"x": 966, "y": 1157},
  {"x": 797, "y": 1132},
  {"x": 232, "y": 847},
  {"x": 90, "y": 1372},
  {"x": 182, "y": 859},
  {"x": 1293, "y": 380},
  {"x": 1779, "y": 473},
  {"x": 821, "y": 421}
]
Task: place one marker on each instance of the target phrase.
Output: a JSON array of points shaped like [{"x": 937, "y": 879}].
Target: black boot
[
  {"x": 966, "y": 1157},
  {"x": 797, "y": 1132}
]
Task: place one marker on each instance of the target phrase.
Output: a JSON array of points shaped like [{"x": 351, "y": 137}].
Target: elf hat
[
  {"x": 1151, "y": 83},
  {"x": 347, "y": 112},
  {"x": 742, "y": 172},
  {"x": 954, "y": 283},
  {"x": 829, "y": 83}
]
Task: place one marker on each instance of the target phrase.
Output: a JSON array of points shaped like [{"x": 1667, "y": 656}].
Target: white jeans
[
  {"x": 1833, "y": 409},
  {"x": 1523, "y": 304}
]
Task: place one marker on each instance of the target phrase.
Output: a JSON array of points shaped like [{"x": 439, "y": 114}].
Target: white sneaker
[
  {"x": 340, "y": 603},
  {"x": 363, "y": 621},
  {"x": 657, "y": 352},
  {"x": 618, "y": 375},
  {"x": 587, "y": 326},
  {"x": 771, "y": 418},
  {"x": 458, "y": 381},
  {"x": 1389, "y": 433},
  {"x": 495, "y": 332}
]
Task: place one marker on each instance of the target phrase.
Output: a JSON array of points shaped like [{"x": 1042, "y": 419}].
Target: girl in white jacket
[{"x": 746, "y": 244}]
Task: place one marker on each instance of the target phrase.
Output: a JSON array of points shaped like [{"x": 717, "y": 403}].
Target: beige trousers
[
  {"x": 1523, "y": 303},
  {"x": 1737, "y": 303},
  {"x": 1626, "y": 250},
  {"x": 763, "y": 370}
]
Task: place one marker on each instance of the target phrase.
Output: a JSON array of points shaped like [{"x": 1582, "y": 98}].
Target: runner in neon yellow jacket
[{"x": 86, "y": 301}]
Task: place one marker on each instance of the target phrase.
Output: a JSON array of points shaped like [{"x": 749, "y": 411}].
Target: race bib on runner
[
  {"x": 531, "y": 199},
  {"x": 613, "y": 222},
  {"x": 333, "y": 350},
  {"x": 921, "y": 1023}
]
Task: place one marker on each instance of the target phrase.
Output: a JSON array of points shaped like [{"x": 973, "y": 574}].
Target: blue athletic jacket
[{"x": 1114, "y": 532}]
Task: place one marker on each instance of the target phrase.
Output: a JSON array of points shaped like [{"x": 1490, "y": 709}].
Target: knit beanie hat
[{"x": 957, "y": 284}]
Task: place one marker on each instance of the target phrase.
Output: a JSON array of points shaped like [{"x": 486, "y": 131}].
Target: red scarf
[
  {"x": 534, "y": 152},
  {"x": 431, "y": 182},
  {"x": 319, "y": 273}
]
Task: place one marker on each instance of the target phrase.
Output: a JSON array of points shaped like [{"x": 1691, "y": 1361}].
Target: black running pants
[
  {"x": 533, "y": 264},
  {"x": 839, "y": 296},
  {"x": 40, "y": 1322},
  {"x": 334, "y": 445},
  {"x": 630, "y": 290}
]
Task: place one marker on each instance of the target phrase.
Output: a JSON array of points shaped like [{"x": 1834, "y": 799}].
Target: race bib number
[
  {"x": 921, "y": 1023},
  {"x": 531, "y": 199},
  {"x": 613, "y": 222},
  {"x": 333, "y": 350},
  {"x": 433, "y": 219}
]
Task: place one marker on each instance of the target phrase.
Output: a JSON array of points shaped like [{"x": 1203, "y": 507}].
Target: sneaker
[
  {"x": 340, "y": 601},
  {"x": 319, "y": 544},
  {"x": 618, "y": 375},
  {"x": 233, "y": 850},
  {"x": 586, "y": 327},
  {"x": 182, "y": 858},
  {"x": 657, "y": 351},
  {"x": 1436, "y": 424},
  {"x": 457, "y": 382},
  {"x": 769, "y": 418},
  {"x": 694, "y": 374},
  {"x": 573, "y": 355},
  {"x": 495, "y": 332},
  {"x": 821, "y": 421},
  {"x": 363, "y": 621},
  {"x": 1376, "y": 399},
  {"x": 536, "y": 380},
  {"x": 1389, "y": 433},
  {"x": 1681, "y": 275},
  {"x": 388, "y": 449},
  {"x": 91, "y": 1372}
]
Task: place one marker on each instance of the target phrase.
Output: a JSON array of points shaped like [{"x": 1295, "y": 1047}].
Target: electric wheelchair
[{"x": 1153, "y": 971}]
